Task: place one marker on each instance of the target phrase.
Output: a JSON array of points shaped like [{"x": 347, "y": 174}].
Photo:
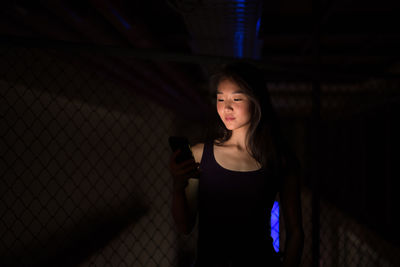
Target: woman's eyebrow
[{"x": 236, "y": 92}]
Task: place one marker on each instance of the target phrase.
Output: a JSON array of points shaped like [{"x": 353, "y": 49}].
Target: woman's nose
[{"x": 228, "y": 105}]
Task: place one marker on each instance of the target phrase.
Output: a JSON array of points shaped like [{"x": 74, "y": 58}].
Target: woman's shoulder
[{"x": 197, "y": 150}]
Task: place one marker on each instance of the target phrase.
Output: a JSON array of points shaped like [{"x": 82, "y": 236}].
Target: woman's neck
[{"x": 238, "y": 140}]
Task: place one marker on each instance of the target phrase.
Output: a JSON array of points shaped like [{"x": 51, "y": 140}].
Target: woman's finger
[
  {"x": 172, "y": 159},
  {"x": 183, "y": 164},
  {"x": 190, "y": 167},
  {"x": 186, "y": 163},
  {"x": 184, "y": 169}
]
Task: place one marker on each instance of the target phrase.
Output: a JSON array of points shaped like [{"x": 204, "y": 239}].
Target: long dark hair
[{"x": 264, "y": 139}]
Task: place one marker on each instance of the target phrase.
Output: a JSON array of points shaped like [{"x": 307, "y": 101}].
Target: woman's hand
[{"x": 181, "y": 172}]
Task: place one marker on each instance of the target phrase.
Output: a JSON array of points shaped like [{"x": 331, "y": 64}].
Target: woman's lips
[{"x": 229, "y": 118}]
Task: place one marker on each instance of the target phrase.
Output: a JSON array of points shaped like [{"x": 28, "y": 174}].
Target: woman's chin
[{"x": 229, "y": 127}]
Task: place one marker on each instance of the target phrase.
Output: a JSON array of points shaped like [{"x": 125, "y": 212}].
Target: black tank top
[{"x": 234, "y": 215}]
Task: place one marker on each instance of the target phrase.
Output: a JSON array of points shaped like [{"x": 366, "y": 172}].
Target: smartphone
[{"x": 182, "y": 143}]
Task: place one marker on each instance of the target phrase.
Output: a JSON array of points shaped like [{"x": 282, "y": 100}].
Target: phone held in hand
[{"x": 182, "y": 143}]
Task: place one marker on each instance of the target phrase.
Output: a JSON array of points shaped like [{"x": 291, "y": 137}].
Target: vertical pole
[
  {"x": 316, "y": 121},
  {"x": 316, "y": 176}
]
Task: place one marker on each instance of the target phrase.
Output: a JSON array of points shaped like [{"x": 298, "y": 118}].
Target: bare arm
[
  {"x": 291, "y": 207},
  {"x": 185, "y": 192},
  {"x": 184, "y": 207}
]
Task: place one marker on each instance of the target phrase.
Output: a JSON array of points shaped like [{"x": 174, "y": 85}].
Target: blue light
[
  {"x": 239, "y": 31},
  {"x": 275, "y": 225},
  {"x": 239, "y": 44},
  {"x": 258, "y": 26},
  {"x": 121, "y": 19}
]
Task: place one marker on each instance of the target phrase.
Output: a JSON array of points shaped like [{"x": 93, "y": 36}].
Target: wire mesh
[
  {"x": 83, "y": 166},
  {"x": 85, "y": 179}
]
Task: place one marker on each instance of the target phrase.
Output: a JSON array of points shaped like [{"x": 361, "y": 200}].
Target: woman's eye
[{"x": 236, "y": 99}]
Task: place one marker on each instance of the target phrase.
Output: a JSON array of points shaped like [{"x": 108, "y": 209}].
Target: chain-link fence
[
  {"x": 85, "y": 181},
  {"x": 83, "y": 166}
]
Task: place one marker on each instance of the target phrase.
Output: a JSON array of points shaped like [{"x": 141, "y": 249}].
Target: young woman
[{"x": 242, "y": 167}]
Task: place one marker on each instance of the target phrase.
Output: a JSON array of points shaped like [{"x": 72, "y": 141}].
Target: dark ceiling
[{"x": 339, "y": 43}]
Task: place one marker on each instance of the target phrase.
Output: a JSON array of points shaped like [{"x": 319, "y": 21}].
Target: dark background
[{"x": 91, "y": 90}]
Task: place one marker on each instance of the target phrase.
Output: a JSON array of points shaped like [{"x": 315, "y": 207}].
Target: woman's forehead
[{"x": 229, "y": 87}]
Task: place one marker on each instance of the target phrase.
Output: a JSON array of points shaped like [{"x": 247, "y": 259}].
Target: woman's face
[{"x": 233, "y": 105}]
